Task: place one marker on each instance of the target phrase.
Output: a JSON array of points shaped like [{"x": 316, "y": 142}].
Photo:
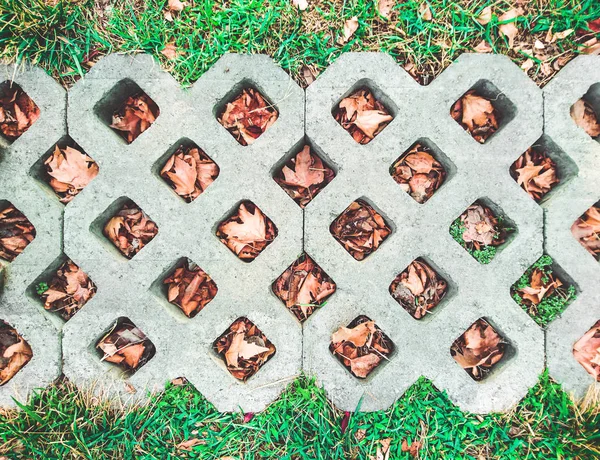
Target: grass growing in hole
[
  {"x": 551, "y": 306},
  {"x": 62, "y": 422},
  {"x": 41, "y": 288},
  {"x": 483, "y": 256}
]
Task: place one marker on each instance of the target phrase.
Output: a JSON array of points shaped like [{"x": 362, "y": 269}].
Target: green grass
[
  {"x": 551, "y": 306},
  {"x": 63, "y": 423},
  {"x": 484, "y": 255},
  {"x": 67, "y": 38}
]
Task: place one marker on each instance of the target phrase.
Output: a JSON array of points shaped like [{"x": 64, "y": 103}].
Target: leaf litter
[
  {"x": 248, "y": 116},
  {"x": 17, "y": 111},
  {"x": 69, "y": 290},
  {"x": 361, "y": 346},
  {"x": 126, "y": 345},
  {"x": 478, "y": 349},
  {"x": 130, "y": 230},
  {"x": 247, "y": 232},
  {"x": 586, "y": 118},
  {"x": 70, "y": 171},
  {"x": 363, "y": 116},
  {"x": 15, "y": 352},
  {"x": 16, "y": 232},
  {"x": 541, "y": 293},
  {"x": 244, "y": 348},
  {"x": 135, "y": 116},
  {"x": 303, "y": 287},
  {"x": 190, "y": 288},
  {"x": 587, "y": 351},
  {"x": 586, "y": 230},
  {"x": 304, "y": 176},
  {"x": 418, "y": 173},
  {"x": 189, "y": 171},
  {"x": 360, "y": 229},
  {"x": 479, "y": 231},
  {"x": 535, "y": 172},
  {"x": 419, "y": 289},
  {"x": 476, "y": 114}
]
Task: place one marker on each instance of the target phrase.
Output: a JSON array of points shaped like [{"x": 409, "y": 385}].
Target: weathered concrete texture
[
  {"x": 19, "y": 306},
  {"x": 475, "y": 172},
  {"x": 132, "y": 288},
  {"x": 570, "y": 202}
]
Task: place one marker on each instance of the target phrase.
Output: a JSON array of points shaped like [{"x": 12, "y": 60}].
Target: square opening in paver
[
  {"x": 483, "y": 110},
  {"x": 17, "y": 111},
  {"x": 361, "y": 346},
  {"x": 303, "y": 287},
  {"x": 247, "y": 231},
  {"x": 418, "y": 171},
  {"x": 16, "y": 231},
  {"x": 187, "y": 169},
  {"x": 66, "y": 169},
  {"x": 126, "y": 346},
  {"x": 189, "y": 287},
  {"x": 244, "y": 349},
  {"x": 127, "y": 109},
  {"x": 64, "y": 290},
  {"x": 586, "y": 110},
  {"x": 586, "y": 230},
  {"x": 587, "y": 351},
  {"x": 482, "y": 230},
  {"x": 304, "y": 175},
  {"x": 126, "y": 226},
  {"x": 15, "y": 352},
  {"x": 479, "y": 349},
  {"x": 542, "y": 169},
  {"x": 544, "y": 291},
  {"x": 360, "y": 229},
  {"x": 246, "y": 113},
  {"x": 362, "y": 114},
  {"x": 419, "y": 288}
]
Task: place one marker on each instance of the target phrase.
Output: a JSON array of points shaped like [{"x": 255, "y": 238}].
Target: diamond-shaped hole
[
  {"x": 543, "y": 169},
  {"x": 125, "y": 346},
  {"x": 244, "y": 349},
  {"x": 127, "y": 110},
  {"x": 585, "y": 112},
  {"x": 11, "y": 363},
  {"x": 19, "y": 111},
  {"x": 234, "y": 230},
  {"x": 303, "y": 287},
  {"x": 63, "y": 288},
  {"x": 585, "y": 230},
  {"x": 16, "y": 230},
  {"x": 491, "y": 101},
  {"x": 587, "y": 351},
  {"x": 303, "y": 174},
  {"x": 246, "y": 112},
  {"x": 360, "y": 229},
  {"x": 375, "y": 113},
  {"x": 483, "y": 230},
  {"x": 109, "y": 226},
  {"x": 544, "y": 291},
  {"x": 480, "y": 349},
  {"x": 419, "y": 288},
  {"x": 186, "y": 286},
  {"x": 187, "y": 169},
  {"x": 65, "y": 169},
  {"x": 361, "y": 346},
  {"x": 422, "y": 170}
]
